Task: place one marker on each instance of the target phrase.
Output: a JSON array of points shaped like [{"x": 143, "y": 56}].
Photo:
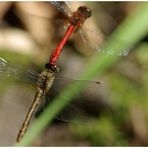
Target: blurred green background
[{"x": 115, "y": 111}]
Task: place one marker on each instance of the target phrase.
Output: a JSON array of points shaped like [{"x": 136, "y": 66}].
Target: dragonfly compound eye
[{"x": 85, "y": 10}]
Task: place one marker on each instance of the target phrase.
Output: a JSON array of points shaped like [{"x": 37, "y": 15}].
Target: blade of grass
[{"x": 133, "y": 29}]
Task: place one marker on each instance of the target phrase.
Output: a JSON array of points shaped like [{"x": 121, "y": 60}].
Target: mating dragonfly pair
[{"x": 45, "y": 79}]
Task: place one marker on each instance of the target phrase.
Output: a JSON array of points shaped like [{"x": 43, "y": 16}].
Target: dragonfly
[
  {"x": 89, "y": 37},
  {"x": 76, "y": 21},
  {"x": 76, "y": 24},
  {"x": 43, "y": 82}
]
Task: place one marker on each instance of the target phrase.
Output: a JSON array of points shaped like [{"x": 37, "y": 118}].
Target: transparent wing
[
  {"x": 63, "y": 7},
  {"x": 83, "y": 107},
  {"x": 94, "y": 42},
  {"x": 7, "y": 69}
]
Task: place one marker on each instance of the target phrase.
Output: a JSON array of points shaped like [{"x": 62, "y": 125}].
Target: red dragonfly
[
  {"x": 76, "y": 21},
  {"x": 89, "y": 38},
  {"x": 76, "y": 24}
]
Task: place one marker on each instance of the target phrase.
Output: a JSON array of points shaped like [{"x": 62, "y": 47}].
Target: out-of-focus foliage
[
  {"x": 25, "y": 39},
  {"x": 128, "y": 93}
]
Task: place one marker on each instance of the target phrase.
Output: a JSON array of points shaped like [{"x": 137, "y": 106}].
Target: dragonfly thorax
[
  {"x": 78, "y": 18},
  {"x": 46, "y": 79}
]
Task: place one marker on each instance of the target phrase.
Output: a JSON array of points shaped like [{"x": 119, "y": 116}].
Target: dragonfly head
[
  {"x": 52, "y": 68},
  {"x": 85, "y": 10}
]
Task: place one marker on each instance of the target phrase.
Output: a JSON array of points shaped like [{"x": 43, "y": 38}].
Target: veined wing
[
  {"x": 63, "y": 7},
  {"x": 7, "y": 69},
  {"x": 93, "y": 41},
  {"x": 84, "y": 106}
]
